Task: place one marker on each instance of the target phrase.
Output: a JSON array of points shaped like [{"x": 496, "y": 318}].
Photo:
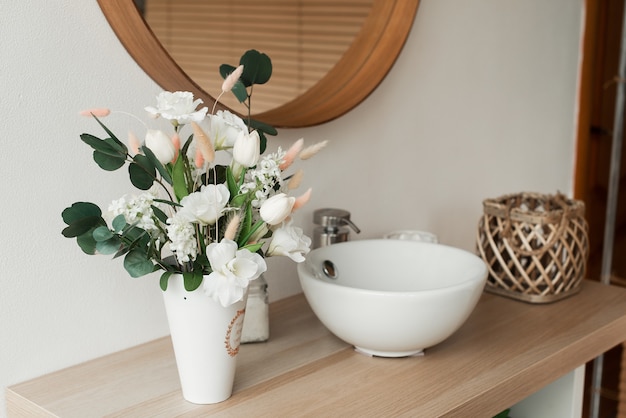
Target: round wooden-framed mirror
[{"x": 350, "y": 81}]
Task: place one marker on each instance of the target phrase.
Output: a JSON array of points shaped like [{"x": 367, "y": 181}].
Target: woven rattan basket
[{"x": 535, "y": 246}]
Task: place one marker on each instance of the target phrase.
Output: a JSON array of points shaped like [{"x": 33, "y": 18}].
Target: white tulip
[
  {"x": 277, "y": 208},
  {"x": 161, "y": 145},
  {"x": 247, "y": 149}
]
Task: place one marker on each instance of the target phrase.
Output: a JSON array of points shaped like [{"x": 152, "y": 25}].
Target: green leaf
[
  {"x": 161, "y": 216},
  {"x": 192, "y": 280},
  {"x": 257, "y": 68},
  {"x": 263, "y": 127},
  {"x": 238, "y": 200},
  {"x": 142, "y": 172},
  {"x": 253, "y": 248},
  {"x": 87, "y": 243},
  {"x": 102, "y": 233},
  {"x": 137, "y": 237},
  {"x": 157, "y": 164},
  {"x": 80, "y": 210},
  {"x": 164, "y": 279},
  {"x": 82, "y": 226},
  {"x": 118, "y": 223},
  {"x": 107, "y": 146},
  {"x": 262, "y": 142},
  {"x": 178, "y": 178},
  {"x": 246, "y": 225},
  {"x": 226, "y": 70},
  {"x": 116, "y": 145},
  {"x": 112, "y": 135},
  {"x": 240, "y": 92},
  {"x": 110, "y": 246},
  {"x": 108, "y": 162},
  {"x": 137, "y": 263},
  {"x": 233, "y": 187},
  {"x": 217, "y": 175},
  {"x": 244, "y": 238}
]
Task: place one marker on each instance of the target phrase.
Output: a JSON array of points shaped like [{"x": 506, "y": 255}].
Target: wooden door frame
[{"x": 585, "y": 95}]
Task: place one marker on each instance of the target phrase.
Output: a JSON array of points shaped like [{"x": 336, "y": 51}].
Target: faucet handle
[{"x": 330, "y": 217}]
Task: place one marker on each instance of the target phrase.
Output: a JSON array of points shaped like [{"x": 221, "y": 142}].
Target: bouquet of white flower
[{"x": 208, "y": 221}]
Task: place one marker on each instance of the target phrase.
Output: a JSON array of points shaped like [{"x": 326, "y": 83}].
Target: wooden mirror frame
[{"x": 356, "y": 75}]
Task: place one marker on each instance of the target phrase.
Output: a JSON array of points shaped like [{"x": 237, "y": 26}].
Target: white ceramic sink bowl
[{"x": 392, "y": 298}]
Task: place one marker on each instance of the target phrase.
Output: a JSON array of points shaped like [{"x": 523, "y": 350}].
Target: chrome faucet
[{"x": 332, "y": 226}]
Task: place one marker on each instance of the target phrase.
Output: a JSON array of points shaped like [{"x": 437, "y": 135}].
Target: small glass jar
[{"x": 256, "y": 322}]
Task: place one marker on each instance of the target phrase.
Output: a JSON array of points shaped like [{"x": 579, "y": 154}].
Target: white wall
[{"x": 480, "y": 103}]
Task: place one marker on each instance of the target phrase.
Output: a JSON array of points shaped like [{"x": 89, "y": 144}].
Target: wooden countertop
[{"x": 506, "y": 351}]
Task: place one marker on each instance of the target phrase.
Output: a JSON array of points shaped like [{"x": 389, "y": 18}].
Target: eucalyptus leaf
[
  {"x": 116, "y": 145},
  {"x": 111, "y": 134},
  {"x": 263, "y": 127},
  {"x": 106, "y": 146},
  {"x": 192, "y": 280},
  {"x": 108, "y": 162},
  {"x": 226, "y": 70},
  {"x": 82, "y": 226},
  {"x": 262, "y": 142},
  {"x": 118, "y": 223},
  {"x": 110, "y": 246},
  {"x": 80, "y": 210},
  {"x": 137, "y": 263},
  {"x": 257, "y": 67},
  {"x": 102, "y": 233},
  {"x": 136, "y": 237},
  {"x": 142, "y": 172},
  {"x": 87, "y": 243},
  {"x": 164, "y": 279},
  {"x": 217, "y": 174},
  {"x": 157, "y": 164},
  {"x": 240, "y": 91}
]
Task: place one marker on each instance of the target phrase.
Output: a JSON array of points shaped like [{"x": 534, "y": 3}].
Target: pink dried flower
[
  {"x": 232, "y": 228},
  {"x": 199, "y": 159},
  {"x": 203, "y": 142},
  {"x": 133, "y": 143},
  {"x": 291, "y": 154},
  {"x": 99, "y": 112},
  {"x": 312, "y": 150},
  {"x": 176, "y": 142},
  {"x": 302, "y": 199},
  {"x": 231, "y": 80},
  {"x": 295, "y": 180}
]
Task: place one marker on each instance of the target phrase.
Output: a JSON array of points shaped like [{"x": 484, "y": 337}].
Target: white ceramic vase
[{"x": 206, "y": 338}]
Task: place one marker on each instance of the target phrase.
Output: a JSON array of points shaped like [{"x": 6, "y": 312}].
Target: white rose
[
  {"x": 205, "y": 206},
  {"x": 291, "y": 242},
  {"x": 178, "y": 107},
  {"x": 232, "y": 271}
]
